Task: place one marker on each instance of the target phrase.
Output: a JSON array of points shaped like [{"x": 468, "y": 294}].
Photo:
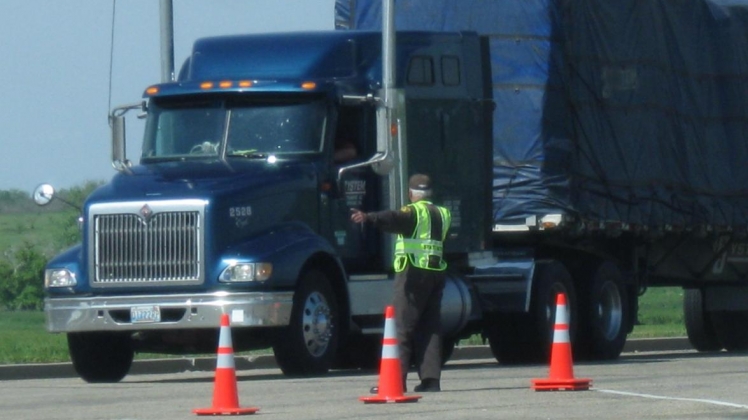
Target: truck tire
[
  {"x": 551, "y": 279},
  {"x": 731, "y": 328},
  {"x": 526, "y": 338},
  {"x": 510, "y": 338},
  {"x": 604, "y": 310},
  {"x": 698, "y": 322},
  {"x": 308, "y": 344},
  {"x": 101, "y": 357}
]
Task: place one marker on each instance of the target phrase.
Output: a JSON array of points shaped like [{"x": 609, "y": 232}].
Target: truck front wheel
[
  {"x": 100, "y": 357},
  {"x": 307, "y": 345}
]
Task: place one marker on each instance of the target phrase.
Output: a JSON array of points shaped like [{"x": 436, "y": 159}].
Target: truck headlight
[
  {"x": 243, "y": 272},
  {"x": 59, "y": 277}
]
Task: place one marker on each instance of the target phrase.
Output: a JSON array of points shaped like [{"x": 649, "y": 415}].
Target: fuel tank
[{"x": 457, "y": 305}]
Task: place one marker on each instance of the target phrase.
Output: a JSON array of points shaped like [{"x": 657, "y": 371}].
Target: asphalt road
[{"x": 679, "y": 384}]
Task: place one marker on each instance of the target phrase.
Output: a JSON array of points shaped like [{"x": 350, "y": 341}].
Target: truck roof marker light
[
  {"x": 152, "y": 90},
  {"x": 393, "y": 129},
  {"x": 225, "y": 84},
  {"x": 245, "y": 83},
  {"x": 206, "y": 85},
  {"x": 308, "y": 85}
]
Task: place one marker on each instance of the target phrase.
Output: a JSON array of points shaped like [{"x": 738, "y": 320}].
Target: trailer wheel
[
  {"x": 550, "y": 280},
  {"x": 526, "y": 338},
  {"x": 698, "y": 322},
  {"x": 308, "y": 344},
  {"x": 731, "y": 328},
  {"x": 603, "y": 327},
  {"x": 510, "y": 338},
  {"x": 100, "y": 357}
]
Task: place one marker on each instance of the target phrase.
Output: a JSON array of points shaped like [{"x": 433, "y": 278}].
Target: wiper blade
[{"x": 249, "y": 154}]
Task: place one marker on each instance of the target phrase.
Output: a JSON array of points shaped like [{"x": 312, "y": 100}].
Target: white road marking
[{"x": 661, "y": 397}]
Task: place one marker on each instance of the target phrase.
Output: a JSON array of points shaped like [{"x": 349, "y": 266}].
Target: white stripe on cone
[{"x": 561, "y": 329}]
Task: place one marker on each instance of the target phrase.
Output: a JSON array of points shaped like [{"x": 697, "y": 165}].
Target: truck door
[{"x": 360, "y": 246}]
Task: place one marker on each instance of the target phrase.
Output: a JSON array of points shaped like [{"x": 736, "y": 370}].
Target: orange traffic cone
[
  {"x": 561, "y": 376},
  {"x": 225, "y": 397},
  {"x": 390, "y": 372}
]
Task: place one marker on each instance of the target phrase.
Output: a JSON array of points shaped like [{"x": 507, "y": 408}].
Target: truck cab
[{"x": 240, "y": 201}]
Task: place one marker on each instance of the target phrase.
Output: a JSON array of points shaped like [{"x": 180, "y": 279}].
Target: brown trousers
[{"x": 417, "y": 301}]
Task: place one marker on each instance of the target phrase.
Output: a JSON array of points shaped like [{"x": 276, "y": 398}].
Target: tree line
[{"x": 22, "y": 266}]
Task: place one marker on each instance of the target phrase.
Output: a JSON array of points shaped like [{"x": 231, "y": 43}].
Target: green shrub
[{"x": 21, "y": 279}]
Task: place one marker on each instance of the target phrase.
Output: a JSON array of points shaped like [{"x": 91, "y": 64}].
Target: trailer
[{"x": 625, "y": 120}]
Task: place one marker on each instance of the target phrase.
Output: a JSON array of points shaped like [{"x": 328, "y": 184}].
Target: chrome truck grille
[{"x": 146, "y": 243}]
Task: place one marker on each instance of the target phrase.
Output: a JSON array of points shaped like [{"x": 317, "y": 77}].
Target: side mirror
[
  {"x": 119, "y": 153},
  {"x": 43, "y": 194},
  {"x": 119, "y": 140}
]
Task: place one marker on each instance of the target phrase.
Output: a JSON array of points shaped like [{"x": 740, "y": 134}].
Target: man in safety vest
[{"x": 419, "y": 278}]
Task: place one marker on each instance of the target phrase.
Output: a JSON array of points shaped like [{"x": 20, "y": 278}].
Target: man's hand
[{"x": 357, "y": 216}]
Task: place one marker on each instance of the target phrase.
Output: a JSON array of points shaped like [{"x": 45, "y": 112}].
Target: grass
[
  {"x": 660, "y": 314},
  {"x": 23, "y": 338}
]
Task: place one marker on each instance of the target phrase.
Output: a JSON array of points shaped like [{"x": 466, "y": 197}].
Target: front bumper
[{"x": 184, "y": 311}]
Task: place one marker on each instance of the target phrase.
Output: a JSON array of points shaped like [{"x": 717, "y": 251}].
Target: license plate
[{"x": 142, "y": 314}]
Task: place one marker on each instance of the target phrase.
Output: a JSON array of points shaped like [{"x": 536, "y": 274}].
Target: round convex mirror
[{"x": 43, "y": 194}]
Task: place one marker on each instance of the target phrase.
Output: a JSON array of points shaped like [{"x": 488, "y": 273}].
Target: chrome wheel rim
[{"x": 316, "y": 324}]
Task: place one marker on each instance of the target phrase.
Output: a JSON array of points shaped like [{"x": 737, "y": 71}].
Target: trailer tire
[
  {"x": 603, "y": 327},
  {"x": 307, "y": 346},
  {"x": 699, "y": 326},
  {"x": 527, "y": 338},
  {"x": 731, "y": 328},
  {"x": 510, "y": 338},
  {"x": 551, "y": 279},
  {"x": 101, "y": 357}
]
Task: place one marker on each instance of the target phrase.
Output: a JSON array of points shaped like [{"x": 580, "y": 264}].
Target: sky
[{"x": 55, "y": 73}]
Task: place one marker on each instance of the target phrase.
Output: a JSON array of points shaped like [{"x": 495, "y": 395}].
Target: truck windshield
[{"x": 244, "y": 129}]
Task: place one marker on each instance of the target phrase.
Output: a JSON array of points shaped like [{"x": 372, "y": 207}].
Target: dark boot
[{"x": 428, "y": 385}]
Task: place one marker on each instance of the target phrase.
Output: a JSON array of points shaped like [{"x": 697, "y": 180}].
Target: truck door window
[{"x": 348, "y": 134}]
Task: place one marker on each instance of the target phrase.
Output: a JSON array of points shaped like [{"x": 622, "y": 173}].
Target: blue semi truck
[{"x": 574, "y": 158}]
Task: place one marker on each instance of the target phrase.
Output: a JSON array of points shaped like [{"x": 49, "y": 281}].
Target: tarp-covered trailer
[{"x": 627, "y": 121}]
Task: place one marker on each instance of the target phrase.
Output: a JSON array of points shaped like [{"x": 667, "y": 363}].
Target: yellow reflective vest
[{"x": 421, "y": 247}]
